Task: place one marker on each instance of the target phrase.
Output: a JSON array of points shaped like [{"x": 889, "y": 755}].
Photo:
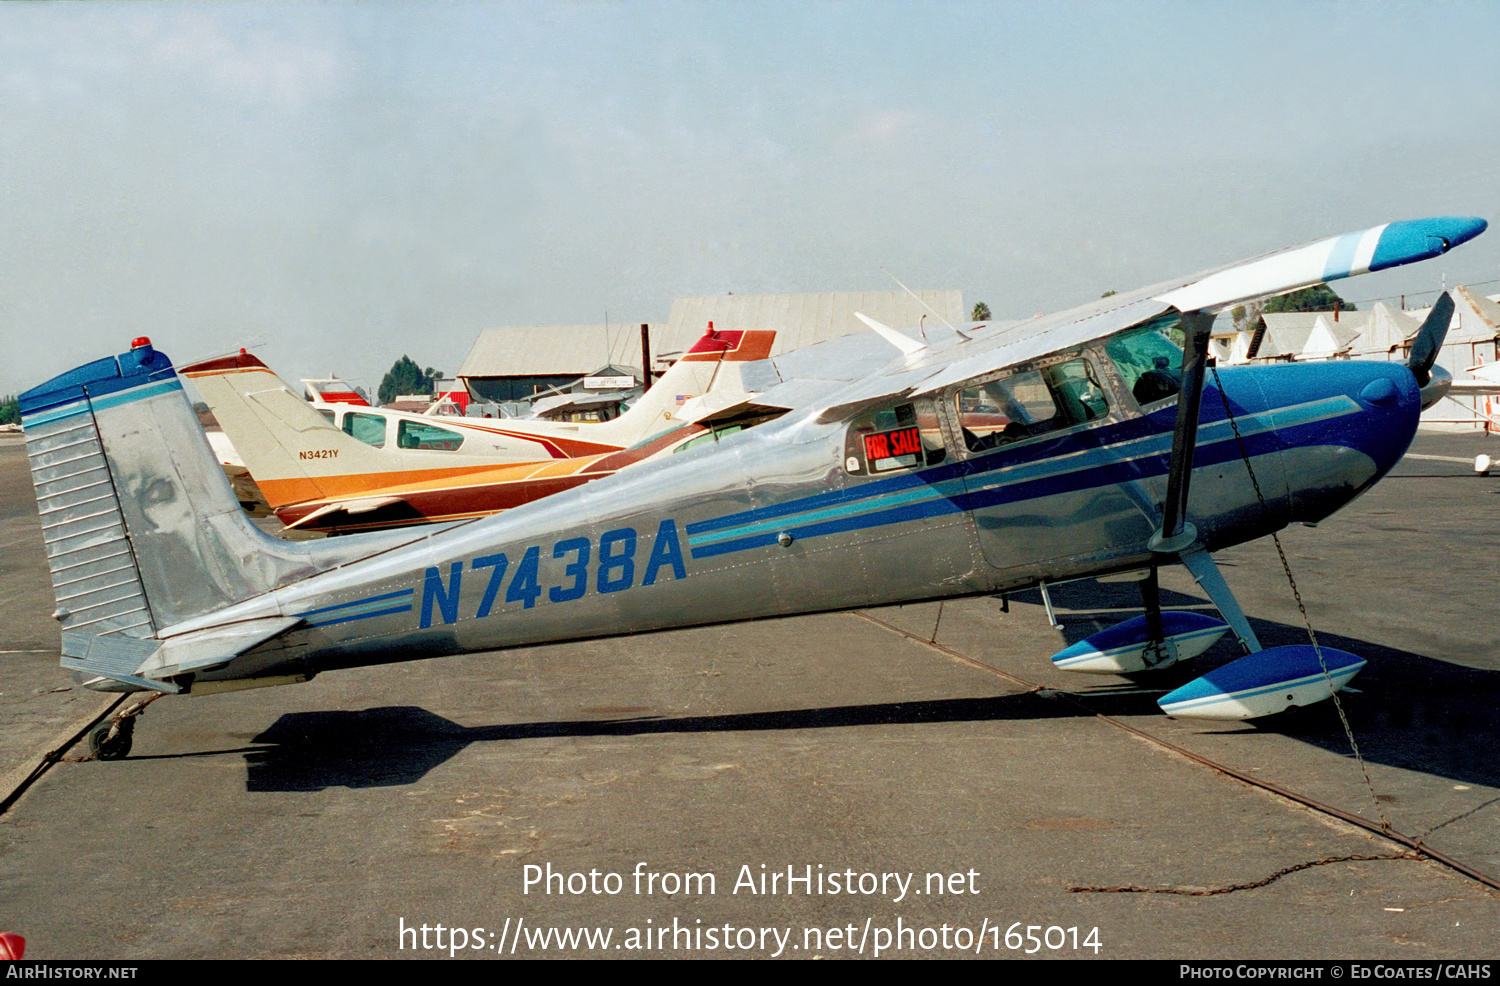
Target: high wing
[{"x": 854, "y": 371}]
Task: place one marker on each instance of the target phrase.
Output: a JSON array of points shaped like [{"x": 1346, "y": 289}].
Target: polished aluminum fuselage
[{"x": 771, "y": 522}]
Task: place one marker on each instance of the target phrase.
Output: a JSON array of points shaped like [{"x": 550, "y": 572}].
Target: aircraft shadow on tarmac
[
  {"x": 392, "y": 745},
  {"x": 1409, "y": 711}
]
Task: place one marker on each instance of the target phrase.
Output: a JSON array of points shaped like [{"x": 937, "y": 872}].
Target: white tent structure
[
  {"x": 1473, "y": 340},
  {"x": 1384, "y": 333}
]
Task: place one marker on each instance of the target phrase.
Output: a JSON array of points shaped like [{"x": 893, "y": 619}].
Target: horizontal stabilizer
[
  {"x": 145, "y": 662},
  {"x": 362, "y": 505},
  {"x": 1122, "y": 648},
  {"x": 707, "y": 405},
  {"x": 1264, "y": 683},
  {"x": 201, "y": 650},
  {"x": 114, "y": 656}
]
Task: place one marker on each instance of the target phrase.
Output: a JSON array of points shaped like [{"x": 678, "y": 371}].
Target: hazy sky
[{"x": 339, "y": 184}]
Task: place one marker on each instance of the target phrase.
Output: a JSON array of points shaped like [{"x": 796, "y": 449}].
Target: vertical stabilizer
[
  {"x": 94, "y": 572},
  {"x": 142, "y": 530},
  {"x": 259, "y": 413},
  {"x": 711, "y": 367}
]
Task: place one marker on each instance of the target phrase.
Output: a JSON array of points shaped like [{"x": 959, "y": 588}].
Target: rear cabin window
[
  {"x": 420, "y": 435},
  {"x": 1030, "y": 403},
  {"x": 708, "y": 437},
  {"x": 368, "y": 428},
  {"x": 715, "y": 432},
  {"x": 1150, "y": 363},
  {"x": 326, "y": 412},
  {"x": 895, "y": 438}
]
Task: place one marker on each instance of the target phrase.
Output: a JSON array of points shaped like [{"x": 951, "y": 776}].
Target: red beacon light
[{"x": 140, "y": 342}]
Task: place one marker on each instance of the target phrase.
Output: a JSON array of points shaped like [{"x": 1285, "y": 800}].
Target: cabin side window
[
  {"x": 892, "y": 438},
  {"x": 713, "y": 431},
  {"x": 1030, "y": 403},
  {"x": 420, "y": 435},
  {"x": 710, "y": 436},
  {"x": 368, "y": 428},
  {"x": 1150, "y": 363}
]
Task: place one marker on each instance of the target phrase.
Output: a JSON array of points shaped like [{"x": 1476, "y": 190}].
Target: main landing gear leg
[
  {"x": 111, "y": 740},
  {"x": 1159, "y": 651}
]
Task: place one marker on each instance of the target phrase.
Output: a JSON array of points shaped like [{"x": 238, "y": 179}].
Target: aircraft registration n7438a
[{"x": 1098, "y": 446}]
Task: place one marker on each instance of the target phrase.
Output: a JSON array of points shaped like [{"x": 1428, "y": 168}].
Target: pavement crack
[
  {"x": 1458, "y": 818},
  {"x": 1213, "y": 891}
]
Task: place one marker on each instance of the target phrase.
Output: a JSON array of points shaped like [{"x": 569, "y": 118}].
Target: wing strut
[{"x": 1176, "y": 533}]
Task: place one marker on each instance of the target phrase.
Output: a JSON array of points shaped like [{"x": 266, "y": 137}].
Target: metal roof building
[
  {"x": 803, "y": 319},
  {"x": 512, "y": 362}
]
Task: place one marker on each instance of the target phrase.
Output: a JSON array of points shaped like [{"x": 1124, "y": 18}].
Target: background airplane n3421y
[
  {"x": 1117, "y": 451},
  {"x": 385, "y": 469}
]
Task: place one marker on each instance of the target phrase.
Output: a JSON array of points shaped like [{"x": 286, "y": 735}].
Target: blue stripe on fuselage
[
  {"x": 1127, "y": 451},
  {"x": 360, "y": 609},
  {"x": 363, "y": 616}
]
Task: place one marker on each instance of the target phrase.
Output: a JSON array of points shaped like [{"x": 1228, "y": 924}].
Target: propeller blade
[{"x": 1429, "y": 339}]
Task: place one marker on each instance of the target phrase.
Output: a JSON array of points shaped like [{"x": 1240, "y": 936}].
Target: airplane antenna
[
  {"x": 253, "y": 344},
  {"x": 925, "y": 305}
]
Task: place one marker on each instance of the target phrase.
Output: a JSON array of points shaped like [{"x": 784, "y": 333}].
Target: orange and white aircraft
[
  {"x": 707, "y": 375},
  {"x": 408, "y": 469}
]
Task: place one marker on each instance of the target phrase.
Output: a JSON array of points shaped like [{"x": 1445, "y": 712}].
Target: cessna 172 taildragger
[{"x": 1118, "y": 453}]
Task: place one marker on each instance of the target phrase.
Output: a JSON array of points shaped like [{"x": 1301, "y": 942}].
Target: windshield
[{"x": 1149, "y": 361}]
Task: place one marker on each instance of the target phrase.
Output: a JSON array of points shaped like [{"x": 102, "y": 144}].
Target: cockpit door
[{"x": 1041, "y": 479}]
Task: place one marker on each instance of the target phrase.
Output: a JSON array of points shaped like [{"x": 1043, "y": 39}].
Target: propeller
[{"x": 1429, "y": 339}]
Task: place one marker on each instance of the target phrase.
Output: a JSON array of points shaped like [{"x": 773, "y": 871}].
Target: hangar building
[{"x": 511, "y": 363}]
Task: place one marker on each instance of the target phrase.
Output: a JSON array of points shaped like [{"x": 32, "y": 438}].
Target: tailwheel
[{"x": 112, "y": 740}]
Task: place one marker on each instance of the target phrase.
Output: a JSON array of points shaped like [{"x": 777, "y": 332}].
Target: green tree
[
  {"x": 1109, "y": 294},
  {"x": 10, "y": 411},
  {"x": 1318, "y": 298},
  {"x": 981, "y": 312},
  {"x": 405, "y": 377}
]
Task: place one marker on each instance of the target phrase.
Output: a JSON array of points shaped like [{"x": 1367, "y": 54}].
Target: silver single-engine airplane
[{"x": 956, "y": 462}]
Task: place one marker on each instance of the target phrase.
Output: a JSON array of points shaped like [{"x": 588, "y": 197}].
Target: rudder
[{"x": 141, "y": 528}]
